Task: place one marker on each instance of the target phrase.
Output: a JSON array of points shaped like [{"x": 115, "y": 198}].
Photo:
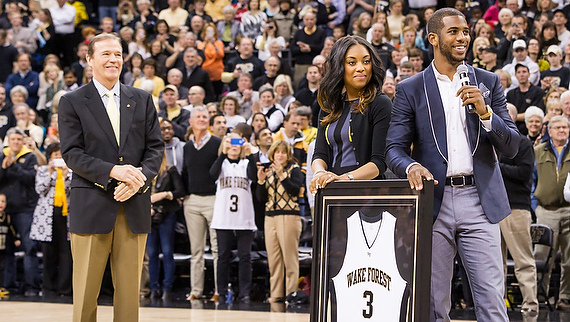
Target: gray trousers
[{"x": 461, "y": 226}]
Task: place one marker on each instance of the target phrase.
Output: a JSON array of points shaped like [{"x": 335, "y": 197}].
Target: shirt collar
[
  {"x": 102, "y": 90},
  {"x": 438, "y": 75}
]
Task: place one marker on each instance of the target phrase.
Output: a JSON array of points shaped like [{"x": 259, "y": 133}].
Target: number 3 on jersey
[
  {"x": 367, "y": 312},
  {"x": 234, "y": 204}
]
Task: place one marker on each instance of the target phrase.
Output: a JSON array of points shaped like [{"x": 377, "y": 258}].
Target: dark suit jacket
[
  {"x": 90, "y": 149},
  {"x": 418, "y": 117},
  {"x": 201, "y": 78}
]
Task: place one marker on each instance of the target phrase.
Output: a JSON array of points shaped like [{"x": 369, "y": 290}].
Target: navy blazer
[
  {"x": 418, "y": 118},
  {"x": 89, "y": 148}
]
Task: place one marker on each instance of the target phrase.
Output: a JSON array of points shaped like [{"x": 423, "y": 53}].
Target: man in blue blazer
[{"x": 456, "y": 149}]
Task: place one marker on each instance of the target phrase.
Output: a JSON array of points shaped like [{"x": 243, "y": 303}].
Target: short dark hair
[
  {"x": 149, "y": 62},
  {"x": 258, "y": 133},
  {"x": 517, "y": 66},
  {"x": 415, "y": 52},
  {"x": 54, "y": 147},
  {"x": 244, "y": 130},
  {"x": 213, "y": 118},
  {"x": 435, "y": 23},
  {"x": 68, "y": 70}
]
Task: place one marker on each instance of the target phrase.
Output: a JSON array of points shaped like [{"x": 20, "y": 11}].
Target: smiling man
[
  {"x": 456, "y": 150},
  {"x": 110, "y": 138}
]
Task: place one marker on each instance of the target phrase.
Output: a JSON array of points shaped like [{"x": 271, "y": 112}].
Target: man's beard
[{"x": 446, "y": 52}]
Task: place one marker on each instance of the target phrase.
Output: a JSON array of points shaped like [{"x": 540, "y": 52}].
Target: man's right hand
[
  {"x": 129, "y": 175},
  {"x": 416, "y": 174}
]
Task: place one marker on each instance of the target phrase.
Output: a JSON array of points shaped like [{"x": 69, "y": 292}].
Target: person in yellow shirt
[
  {"x": 214, "y": 8},
  {"x": 149, "y": 71},
  {"x": 80, "y": 11}
]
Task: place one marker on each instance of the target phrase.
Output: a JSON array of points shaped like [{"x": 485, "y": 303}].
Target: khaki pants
[
  {"x": 300, "y": 71},
  {"x": 515, "y": 236},
  {"x": 198, "y": 212},
  {"x": 90, "y": 253},
  {"x": 282, "y": 234}
]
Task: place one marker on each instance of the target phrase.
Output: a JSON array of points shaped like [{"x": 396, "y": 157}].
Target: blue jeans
[
  {"x": 22, "y": 223},
  {"x": 161, "y": 237}
]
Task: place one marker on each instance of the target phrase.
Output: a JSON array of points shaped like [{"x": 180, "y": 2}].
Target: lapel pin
[{"x": 128, "y": 105}]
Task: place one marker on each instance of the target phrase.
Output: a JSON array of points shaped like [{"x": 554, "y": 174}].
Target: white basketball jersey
[
  {"x": 233, "y": 208},
  {"x": 369, "y": 286}
]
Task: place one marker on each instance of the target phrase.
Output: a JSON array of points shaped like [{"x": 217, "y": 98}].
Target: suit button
[{"x": 120, "y": 159}]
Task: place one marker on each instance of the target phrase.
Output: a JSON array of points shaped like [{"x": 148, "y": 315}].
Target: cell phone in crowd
[
  {"x": 59, "y": 163},
  {"x": 266, "y": 165},
  {"x": 237, "y": 141}
]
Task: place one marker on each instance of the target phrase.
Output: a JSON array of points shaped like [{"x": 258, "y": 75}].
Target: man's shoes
[
  {"x": 31, "y": 293},
  {"x": 529, "y": 311},
  {"x": 215, "y": 298},
  {"x": 192, "y": 297},
  {"x": 563, "y": 305},
  {"x": 155, "y": 295}
]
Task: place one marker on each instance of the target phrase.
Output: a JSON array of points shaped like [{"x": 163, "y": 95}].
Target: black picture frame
[{"x": 413, "y": 211}]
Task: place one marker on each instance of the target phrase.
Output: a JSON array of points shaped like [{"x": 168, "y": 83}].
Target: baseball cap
[
  {"x": 491, "y": 49},
  {"x": 554, "y": 49},
  {"x": 171, "y": 87},
  {"x": 519, "y": 43}
]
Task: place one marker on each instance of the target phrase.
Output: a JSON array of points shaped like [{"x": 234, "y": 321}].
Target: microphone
[{"x": 464, "y": 79}]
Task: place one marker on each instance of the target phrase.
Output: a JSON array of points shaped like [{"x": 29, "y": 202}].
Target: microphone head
[{"x": 462, "y": 69}]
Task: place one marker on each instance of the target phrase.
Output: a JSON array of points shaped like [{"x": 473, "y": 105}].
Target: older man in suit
[
  {"x": 456, "y": 149},
  {"x": 110, "y": 138}
]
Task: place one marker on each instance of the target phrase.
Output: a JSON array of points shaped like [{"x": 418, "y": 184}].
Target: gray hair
[
  {"x": 20, "y": 89},
  {"x": 563, "y": 96},
  {"x": 556, "y": 119},
  {"x": 174, "y": 70},
  {"x": 506, "y": 10},
  {"x": 198, "y": 109},
  {"x": 16, "y": 131},
  {"x": 147, "y": 85},
  {"x": 533, "y": 111},
  {"x": 228, "y": 9}
]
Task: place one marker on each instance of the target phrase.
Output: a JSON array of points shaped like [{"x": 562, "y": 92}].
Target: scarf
[{"x": 59, "y": 198}]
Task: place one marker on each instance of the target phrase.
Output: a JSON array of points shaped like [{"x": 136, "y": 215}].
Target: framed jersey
[{"x": 372, "y": 252}]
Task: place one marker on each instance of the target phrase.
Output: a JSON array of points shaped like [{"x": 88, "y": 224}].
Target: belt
[{"x": 460, "y": 181}]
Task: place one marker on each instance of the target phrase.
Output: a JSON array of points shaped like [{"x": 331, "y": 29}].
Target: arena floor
[{"x": 39, "y": 309}]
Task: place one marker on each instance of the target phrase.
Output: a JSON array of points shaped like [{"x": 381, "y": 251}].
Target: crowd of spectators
[{"x": 251, "y": 68}]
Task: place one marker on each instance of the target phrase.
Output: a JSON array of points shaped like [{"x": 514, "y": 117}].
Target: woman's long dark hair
[{"x": 331, "y": 91}]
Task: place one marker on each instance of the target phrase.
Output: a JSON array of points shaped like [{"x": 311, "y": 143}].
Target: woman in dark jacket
[
  {"x": 351, "y": 138},
  {"x": 166, "y": 189}
]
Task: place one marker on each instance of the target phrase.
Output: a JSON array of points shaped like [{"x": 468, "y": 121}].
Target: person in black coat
[
  {"x": 192, "y": 74},
  {"x": 356, "y": 154}
]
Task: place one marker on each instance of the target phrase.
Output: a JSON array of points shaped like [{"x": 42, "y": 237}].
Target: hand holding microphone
[{"x": 470, "y": 95}]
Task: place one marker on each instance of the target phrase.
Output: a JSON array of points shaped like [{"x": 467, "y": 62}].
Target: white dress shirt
[
  {"x": 63, "y": 18},
  {"x": 459, "y": 156},
  {"x": 460, "y": 161}
]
